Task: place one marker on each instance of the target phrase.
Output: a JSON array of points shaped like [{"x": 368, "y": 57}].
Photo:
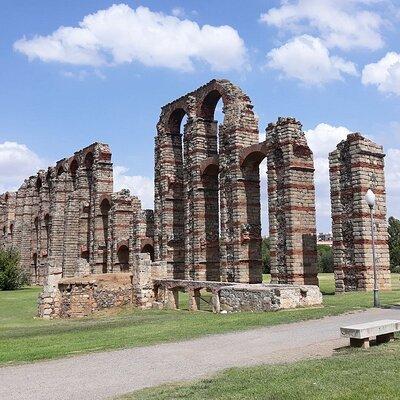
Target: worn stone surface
[
  {"x": 69, "y": 218},
  {"x": 205, "y": 231},
  {"x": 268, "y": 297},
  {"x": 81, "y": 296},
  {"x": 207, "y": 191},
  {"x": 355, "y": 166}
]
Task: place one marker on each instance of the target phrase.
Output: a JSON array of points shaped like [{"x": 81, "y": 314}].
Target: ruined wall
[
  {"x": 67, "y": 221},
  {"x": 291, "y": 204},
  {"x": 203, "y": 228},
  {"x": 82, "y": 296},
  {"x": 355, "y": 166},
  {"x": 7, "y": 219},
  {"x": 268, "y": 297}
]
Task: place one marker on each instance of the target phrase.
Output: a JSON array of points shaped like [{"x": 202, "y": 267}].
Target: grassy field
[
  {"x": 24, "y": 338},
  {"x": 349, "y": 375}
]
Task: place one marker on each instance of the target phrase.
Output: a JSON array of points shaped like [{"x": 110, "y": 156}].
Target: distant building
[{"x": 325, "y": 238}]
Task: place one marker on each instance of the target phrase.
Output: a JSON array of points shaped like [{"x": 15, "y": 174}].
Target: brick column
[
  {"x": 291, "y": 203},
  {"x": 355, "y": 166},
  {"x": 168, "y": 182}
]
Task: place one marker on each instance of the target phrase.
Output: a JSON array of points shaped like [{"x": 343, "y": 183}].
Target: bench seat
[{"x": 360, "y": 334}]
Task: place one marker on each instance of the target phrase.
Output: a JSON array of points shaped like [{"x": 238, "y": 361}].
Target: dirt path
[{"x": 102, "y": 375}]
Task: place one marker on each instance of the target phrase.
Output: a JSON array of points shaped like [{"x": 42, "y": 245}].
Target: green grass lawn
[
  {"x": 349, "y": 375},
  {"x": 24, "y": 338}
]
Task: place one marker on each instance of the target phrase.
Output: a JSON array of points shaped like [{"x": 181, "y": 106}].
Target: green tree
[
  {"x": 265, "y": 253},
  {"x": 12, "y": 276},
  {"x": 394, "y": 244},
  {"x": 325, "y": 258}
]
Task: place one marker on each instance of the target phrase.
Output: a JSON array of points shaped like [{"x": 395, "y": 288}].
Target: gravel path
[{"x": 107, "y": 374}]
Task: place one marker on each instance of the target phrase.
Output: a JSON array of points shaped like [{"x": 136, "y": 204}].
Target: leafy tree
[
  {"x": 325, "y": 258},
  {"x": 394, "y": 244},
  {"x": 265, "y": 253},
  {"x": 12, "y": 276}
]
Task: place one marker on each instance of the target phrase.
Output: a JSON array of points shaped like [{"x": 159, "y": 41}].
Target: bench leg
[
  {"x": 384, "y": 338},
  {"x": 364, "y": 343}
]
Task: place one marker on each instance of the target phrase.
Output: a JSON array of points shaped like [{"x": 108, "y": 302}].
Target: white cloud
[
  {"x": 345, "y": 24},
  {"x": 385, "y": 74},
  {"x": 322, "y": 140},
  {"x": 307, "y": 59},
  {"x": 81, "y": 75},
  {"x": 178, "y": 12},
  {"x": 121, "y": 35},
  {"x": 17, "y": 162},
  {"x": 140, "y": 186},
  {"x": 392, "y": 176}
]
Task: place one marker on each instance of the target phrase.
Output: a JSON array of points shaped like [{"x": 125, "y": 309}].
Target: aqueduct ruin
[
  {"x": 207, "y": 191},
  {"x": 74, "y": 234}
]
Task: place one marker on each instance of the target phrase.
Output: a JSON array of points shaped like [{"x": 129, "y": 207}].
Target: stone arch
[
  {"x": 60, "y": 170},
  {"x": 213, "y": 250},
  {"x": 149, "y": 249},
  {"x": 208, "y": 104},
  {"x": 123, "y": 257},
  {"x": 105, "y": 207},
  {"x": 73, "y": 166},
  {"x": 36, "y": 225},
  {"x": 47, "y": 226},
  {"x": 88, "y": 160},
  {"x": 35, "y": 272},
  {"x": 169, "y": 189},
  {"x": 39, "y": 183}
]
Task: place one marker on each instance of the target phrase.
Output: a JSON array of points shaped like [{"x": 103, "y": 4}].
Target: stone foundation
[
  {"x": 263, "y": 297},
  {"x": 82, "y": 296},
  {"x": 236, "y": 297}
]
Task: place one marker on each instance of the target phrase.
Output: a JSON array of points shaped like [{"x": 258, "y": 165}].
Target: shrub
[
  {"x": 12, "y": 276},
  {"x": 266, "y": 258},
  {"x": 394, "y": 243},
  {"x": 325, "y": 258}
]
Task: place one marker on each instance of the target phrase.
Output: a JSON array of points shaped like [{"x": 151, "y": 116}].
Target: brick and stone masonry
[
  {"x": 355, "y": 166},
  {"x": 207, "y": 191},
  {"x": 74, "y": 233},
  {"x": 67, "y": 219}
]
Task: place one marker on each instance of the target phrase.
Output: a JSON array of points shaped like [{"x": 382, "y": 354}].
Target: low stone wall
[
  {"x": 263, "y": 297},
  {"x": 81, "y": 296},
  {"x": 235, "y": 297}
]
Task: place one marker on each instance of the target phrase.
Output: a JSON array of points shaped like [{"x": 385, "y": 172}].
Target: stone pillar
[
  {"x": 201, "y": 202},
  {"x": 102, "y": 176},
  {"x": 291, "y": 203},
  {"x": 194, "y": 299},
  {"x": 355, "y": 166},
  {"x": 240, "y": 224},
  {"x": 168, "y": 182}
]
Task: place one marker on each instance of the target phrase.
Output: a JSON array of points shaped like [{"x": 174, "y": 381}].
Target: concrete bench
[{"x": 361, "y": 334}]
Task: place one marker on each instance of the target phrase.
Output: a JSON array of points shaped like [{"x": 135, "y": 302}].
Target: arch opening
[
  {"x": 38, "y": 184},
  {"x": 89, "y": 160},
  {"x": 73, "y": 169},
  {"x": 149, "y": 249},
  {"x": 123, "y": 258},
  {"x": 105, "y": 207},
  {"x": 211, "y": 111},
  {"x": 60, "y": 170},
  {"x": 35, "y": 267},
  {"x": 47, "y": 225},
  {"x": 175, "y": 245}
]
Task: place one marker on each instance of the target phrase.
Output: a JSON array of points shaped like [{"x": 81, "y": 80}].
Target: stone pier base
[
  {"x": 263, "y": 297},
  {"x": 235, "y": 297}
]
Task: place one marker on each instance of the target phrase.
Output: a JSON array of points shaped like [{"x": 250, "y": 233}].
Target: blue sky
[{"x": 334, "y": 65}]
